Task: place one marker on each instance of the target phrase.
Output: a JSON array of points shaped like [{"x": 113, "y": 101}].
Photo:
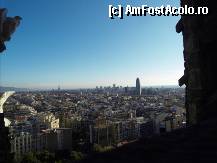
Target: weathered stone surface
[
  {"x": 8, "y": 26},
  {"x": 199, "y": 41}
]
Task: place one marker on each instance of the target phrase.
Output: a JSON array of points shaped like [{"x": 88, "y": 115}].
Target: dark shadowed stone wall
[
  {"x": 200, "y": 74},
  {"x": 5, "y": 155},
  {"x": 8, "y": 26}
]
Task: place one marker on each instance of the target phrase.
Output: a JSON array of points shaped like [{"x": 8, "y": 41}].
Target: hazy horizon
[{"x": 75, "y": 88}]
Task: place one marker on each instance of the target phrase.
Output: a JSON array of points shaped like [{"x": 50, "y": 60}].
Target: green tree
[
  {"x": 76, "y": 156},
  {"x": 29, "y": 158},
  {"x": 99, "y": 148},
  {"x": 46, "y": 157}
]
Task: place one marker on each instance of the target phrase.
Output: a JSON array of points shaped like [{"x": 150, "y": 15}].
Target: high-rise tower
[{"x": 138, "y": 87}]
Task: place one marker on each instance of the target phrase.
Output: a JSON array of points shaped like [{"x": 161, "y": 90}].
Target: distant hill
[{"x": 4, "y": 89}]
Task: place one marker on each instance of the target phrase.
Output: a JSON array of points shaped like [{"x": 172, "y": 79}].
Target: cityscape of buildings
[{"x": 83, "y": 119}]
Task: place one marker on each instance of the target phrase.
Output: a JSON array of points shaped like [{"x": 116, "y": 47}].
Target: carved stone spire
[{"x": 8, "y": 26}]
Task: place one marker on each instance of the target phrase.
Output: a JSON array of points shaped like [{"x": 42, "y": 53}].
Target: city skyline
[
  {"x": 59, "y": 87},
  {"x": 83, "y": 50}
]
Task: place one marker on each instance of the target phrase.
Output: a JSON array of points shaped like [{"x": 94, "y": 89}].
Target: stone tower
[
  {"x": 200, "y": 42},
  {"x": 8, "y": 26}
]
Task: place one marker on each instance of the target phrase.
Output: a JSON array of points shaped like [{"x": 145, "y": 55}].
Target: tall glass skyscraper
[{"x": 138, "y": 87}]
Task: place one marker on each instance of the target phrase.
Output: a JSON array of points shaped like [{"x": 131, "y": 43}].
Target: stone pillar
[
  {"x": 199, "y": 41},
  {"x": 8, "y": 26},
  {"x": 5, "y": 155}
]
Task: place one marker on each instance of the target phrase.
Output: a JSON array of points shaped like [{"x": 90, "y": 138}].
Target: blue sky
[{"x": 73, "y": 43}]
